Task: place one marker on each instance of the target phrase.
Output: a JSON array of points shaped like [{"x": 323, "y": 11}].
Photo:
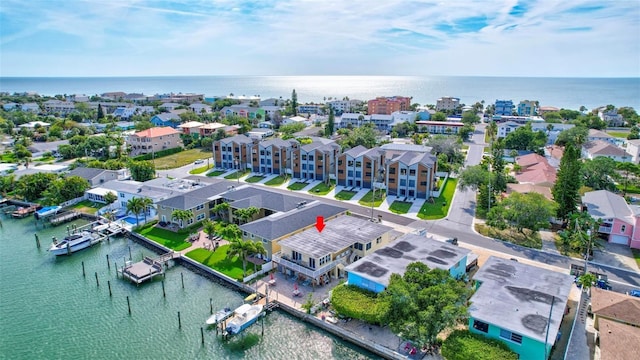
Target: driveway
[{"x": 617, "y": 255}]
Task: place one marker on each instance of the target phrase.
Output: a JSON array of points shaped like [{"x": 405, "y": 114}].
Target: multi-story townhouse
[
  {"x": 153, "y": 140},
  {"x": 60, "y": 107},
  {"x": 233, "y": 152},
  {"x": 360, "y": 167},
  {"x": 447, "y": 103},
  {"x": 315, "y": 161},
  {"x": 199, "y": 202},
  {"x": 309, "y": 109},
  {"x": 243, "y": 110},
  {"x": 387, "y": 105},
  {"x": 528, "y": 108},
  {"x": 272, "y": 156},
  {"x": 410, "y": 174},
  {"x": 439, "y": 127},
  {"x": 342, "y": 106},
  {"x": 191, "y": 128},
  {"x": 503, "y": 107},
  {"x": 506, "y": 128}
]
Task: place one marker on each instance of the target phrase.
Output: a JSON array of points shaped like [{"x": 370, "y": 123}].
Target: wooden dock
[
  {"x": 64, "y": 217},
  {"x": 146, "y": 269},
  {"x": 24, "y": 212}
]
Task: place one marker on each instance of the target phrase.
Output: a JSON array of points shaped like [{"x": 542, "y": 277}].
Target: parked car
[
  {"x": 199, "y": 161},
  {"x": 634, "y": 292}
]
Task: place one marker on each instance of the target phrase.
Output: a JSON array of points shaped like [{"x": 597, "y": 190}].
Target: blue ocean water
[{"x": 571, "y": 93}]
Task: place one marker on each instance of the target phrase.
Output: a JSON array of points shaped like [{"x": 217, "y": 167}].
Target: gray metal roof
[
  {"x": 517, "y": 297},
  {"x": 240, "y": 139},
  {"x": 605, "y": 204},
  {"x": 406, "y": 147},
  {"x": 338, "y": 234},
  {"x": 86, "y": 173},
  {"x": 396, "y": 256},
  {"x": 280, "y": 224},
  {"x": 191, "y": 199},
  {"x": 247, "y": 196},
  {"x": 411, "y": 157}
]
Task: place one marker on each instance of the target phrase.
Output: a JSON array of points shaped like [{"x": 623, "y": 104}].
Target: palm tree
[
  {"x": 221, "y": 209},
  {"x": 242, "y": 249},
  {"x": 209, "y": 229},
  {"x": 492, "y": 129},
  {"x": 181, "y": 216},
  {"x": 148, "y": 204},
  {"x": 244, "y": 215},
  {"x": 257, "y": 248},
  {"x": 110, "y": 198},
  {"x": 135, "y": 206}
]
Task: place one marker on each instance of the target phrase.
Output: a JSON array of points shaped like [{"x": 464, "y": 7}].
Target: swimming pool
[{"x": 129, "y": 219}]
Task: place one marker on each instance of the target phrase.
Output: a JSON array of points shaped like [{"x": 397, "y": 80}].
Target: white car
[{"x": 199, "y": 162}]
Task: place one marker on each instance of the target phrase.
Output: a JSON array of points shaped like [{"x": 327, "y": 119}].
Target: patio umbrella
[{"x": 271, "y": 276}]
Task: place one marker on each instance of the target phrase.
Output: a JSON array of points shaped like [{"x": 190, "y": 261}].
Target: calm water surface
[{"x": 48, "y": 310}]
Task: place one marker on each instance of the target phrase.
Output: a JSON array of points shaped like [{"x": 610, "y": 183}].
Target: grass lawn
[
  {"x": 167, "y": 238},
  {"x": 87, "y": 207},
  {"x": 631, "y": 189},
  {"x": 218, "y": 261},
  {"x": 619, "y": 134},
  {"x": 200, "y": 170},
  {"x": 322, "y": 188},
  {"x": 278, "y": 180},
  {"x": 435, "y": 210},
  {"x": 528, "y": 239},
  {"x": 636, "y": 255},
  {"x": 400, "y": 207},
  {"x": 565, "y": 250},
  {"x": 254, "y": 179},
  {"x": 297, "y": 186},
  {"x": 345, "y": 195},
  {"x": 368, "y": 198},
  {"x": 216, "y": 173},
  {"x": 234, "y": 175},
  {"x": 8, "y": 157},
  {"x": 465, "y": 147},
  {"x": 181, "y": 159}
]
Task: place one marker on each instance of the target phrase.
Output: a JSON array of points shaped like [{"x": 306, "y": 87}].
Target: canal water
[{"x": 48, "y": 310}]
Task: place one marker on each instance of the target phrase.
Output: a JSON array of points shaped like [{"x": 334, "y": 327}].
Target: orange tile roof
[{"x": 157, "y": 131}]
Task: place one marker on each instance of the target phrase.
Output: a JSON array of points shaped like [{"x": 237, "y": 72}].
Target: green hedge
[
  {"x": 465, "y": 345},
  {"x": 158, "y": 154},
  {"x": 354, "y": 302}
]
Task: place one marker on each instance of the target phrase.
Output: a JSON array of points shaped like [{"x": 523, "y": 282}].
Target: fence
[
  {"x": 265, "y": 269},
  {"x": 73, "y": 201},
  {"x": 436, "y": 193}
]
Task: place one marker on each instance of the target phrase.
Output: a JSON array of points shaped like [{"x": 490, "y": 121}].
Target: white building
[
  {"x": 633, "y": 149},
  {"x": 343, "y": 106},
  {"x": 597, "y": 148},
  {"x": 506, "y": 128},
  {"x": 447, "y": 103}
]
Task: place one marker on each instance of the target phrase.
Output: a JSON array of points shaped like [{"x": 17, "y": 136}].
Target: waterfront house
[
  {"x": 272, "y": 156},
  {"x": 233, "y": 152},
  {"x": 191, "y": 128},
  {"x": 597, "y": 148},
  {"x": 447, "y": 103},
  {"x": 520, "y": 305},
  {"x": 373, "y": 271},
  {"x": 616, "y": 318},
  {"x": 320, "y": 256},
  {"x": 153, "y": 140},
  {"x": 410, "y": 174},
  {"x": 595, "y": 135},
  {"x": 210, "y": 129},
  {"x": 342, "y": 106},
  {"x": 171, "y": 119},
  {"x": 280, "y": 225},
  {"x": 96, "y": 177},
  {"x": 619, "y": 220},
  {"x": 505, "y": 128},
  {"x": 504, "y": 107},
  {"x": 265, "y": 200},
  {"x": 360, "y": 167},
  {"x": 527, "y": 108},
  {"x": 387, "y": 105},
  {"x": 315, "y": 161},
  {"x": 611, "y": 117}
]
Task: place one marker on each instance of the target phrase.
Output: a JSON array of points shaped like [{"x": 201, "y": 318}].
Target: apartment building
[
  {"x": 315, "y": 161},
  {"x": 233, "y": 152},
  {"x": 503, "y": 107},
  {"x": 153, "y": 140},
  {"x": 528, "y": 108},
  {"x": 447, "y": 103},
  {"x": 439, "y": 127},
  {"x": 387, "y": 105},
  {"x": 60, "y": 107},
  {"x": 272, "y": 156},
  {"x": 410, "y": 174},
  {"x": 360, "y": 167},
  {"x": 343, "y": 106}
]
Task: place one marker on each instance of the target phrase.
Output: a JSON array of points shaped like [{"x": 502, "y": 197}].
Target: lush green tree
[
  {"x": 439, "y": 116},
  {"x": 209, "y": 228},
  {"x": 590, "y": 121},
  {"x": 290, "y": 129},
  {"x": 576, "y": 135},
  {"x": 424, "y": 302},
  {"x": 627, "y": 170},
  {"x": 524, "y": 138},
  {"x": 331, "y": 123},
  {"x": 245, "y": 215},
  {"x": 22, "y": 154},
  {"x": 242, "y": 249},
  {"x": 100, "y": 112},
  {"x": 599, "y": 173},
  {"x": 31, "y": 187},
  {"x": 110, "y": 198},
  {"x": 65, "y": 189},
  {"x": 221, "y": 210},
  {"x": 364, "y": 135},
  {"x": 257, "y": 248},
  {"x": 181, "y": 216},
  {"x": 499, "y": 178},
  {"x": 629, "y": 115},
  {"x": 634, "y": 133},
  {"x": 465, "y": 132},
  {"x": 473, "y": 177},
  {"x": 135, "y": 206},
  {"x": 148, "y": 205},
  {"x": 580, "y": 233},
  {"x": 492, "y": 130},
  {"x": 143, "y": 125},
  {"x": 568, "y": 182},
  {"x": 294, "y": 102},
  {"x": 231, "y": 232},
  {"x": 587, "y": 280},
  {"x": 450, "y": 146},
  {"x": 7, "y": 184},
  {"x": 524, "y": 211},
  {"x": 470, "y": 118},
  {"x": 142, "y": 170},
  {"x": 465, "y": 345}
]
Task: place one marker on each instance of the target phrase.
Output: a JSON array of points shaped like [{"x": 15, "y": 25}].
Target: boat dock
[
  {"x": 24, "y": 212},
  {"x": 64, "y": 217},
  {"x": 147, "y": 269}
]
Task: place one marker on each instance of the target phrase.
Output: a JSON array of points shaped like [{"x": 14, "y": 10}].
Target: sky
[{"x": 567, "y": 38}]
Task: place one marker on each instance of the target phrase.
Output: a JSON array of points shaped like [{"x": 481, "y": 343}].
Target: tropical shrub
[
  {"x": 353, "y": 302},
  {"x": 465, "y": 345}
]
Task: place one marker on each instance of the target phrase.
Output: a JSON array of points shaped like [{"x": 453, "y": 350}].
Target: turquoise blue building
[
  {"x": 513, "y": 303},
  {"x": 373, "y": 271}
]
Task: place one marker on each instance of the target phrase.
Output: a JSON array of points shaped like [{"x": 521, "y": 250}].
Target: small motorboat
[
  {"x": 46, "y": 211},
  {"x": 243, "y": 317},
  {"x": 219, "y": 316},
  {"x": 74, "y": 242}
]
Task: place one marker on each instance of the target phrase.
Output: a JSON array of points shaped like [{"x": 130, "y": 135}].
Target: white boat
[
  {"x": 46, "y": 211},
  {"x": 219, "y": 316},
  {"x": 243, "y": 316},
  {"x": 74, "y": 242}
]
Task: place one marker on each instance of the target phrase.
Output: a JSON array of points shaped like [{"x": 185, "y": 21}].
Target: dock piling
[
  {"x": 202, "y": 335},
  {"x": 129, "y": 306},
  {"x": 130, "y": 259},
  {"x": 37, "y": 241},
  {"x": 179, "y": 321},
  {"x": 108, "y": 263},
  {"x": 211, "y": 305},
  {"x": 182, "y": 279},
  {"x": 97, "y": 282},
  {"x": 109, "y": 285},
  {"x": 83, "y": 273},
  {"x": 68, "y": 232},
  {"x": 164, "y": 294}
]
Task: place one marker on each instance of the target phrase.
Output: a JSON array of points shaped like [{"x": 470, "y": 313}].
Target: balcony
[
  {"x": 297, "y": 266},
  {"x": 605, "y": 229}
]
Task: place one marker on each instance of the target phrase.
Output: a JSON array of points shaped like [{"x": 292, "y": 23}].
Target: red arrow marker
[{"x": 319, "y": 223}]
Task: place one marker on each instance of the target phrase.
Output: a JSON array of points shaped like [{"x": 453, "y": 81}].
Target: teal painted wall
[
  {"x": 460, "y": 270},
  {"x": 357, "y": 280},
  {"x": 529, "y": 349}
]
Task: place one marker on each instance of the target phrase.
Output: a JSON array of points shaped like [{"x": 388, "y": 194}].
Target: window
[
  {"x": 200, "y": 217},
  {"x": 424, "y": 172},
  {"x": 368, "y": 246},
  {"x": 412, "y": 183},
  {"x": 369, "y": 165},
  {"x": 358, "y": 164},
  {"x": 412, "y": 172},
  {"x": 340, "y": 171},
  {"x": 350, "y": 173},
  {"x": 311, "y": 157},
  {"x": 357, "y": 246},
  {"x": 403, "y": 182},
  {"x": 200, "y": 207},
  {"x": 367, "y": 174},
  {"x": 261, "y": 152},
  {"x": 312, "y": 263},
  {"x": 378, "y": 240},
  {"x": 392, "y": 181},
  {"x": 423, "y": 183},
  {"x": 392, "y": 171},
  {"x": 358, "y": 173},
  {"x": 508, "y": 335},
  {"x": 480, "y": 326},
  {"x": 215, "y": 147},
  {"x": 339, "y": 162},
  {"x": 403, "y": 171},
  {"x": 304, "y": 157},
  {"x": 623, "y": 228},
  {"x": 296, "y": 255},
  {"x": 190, "y": 221}
]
